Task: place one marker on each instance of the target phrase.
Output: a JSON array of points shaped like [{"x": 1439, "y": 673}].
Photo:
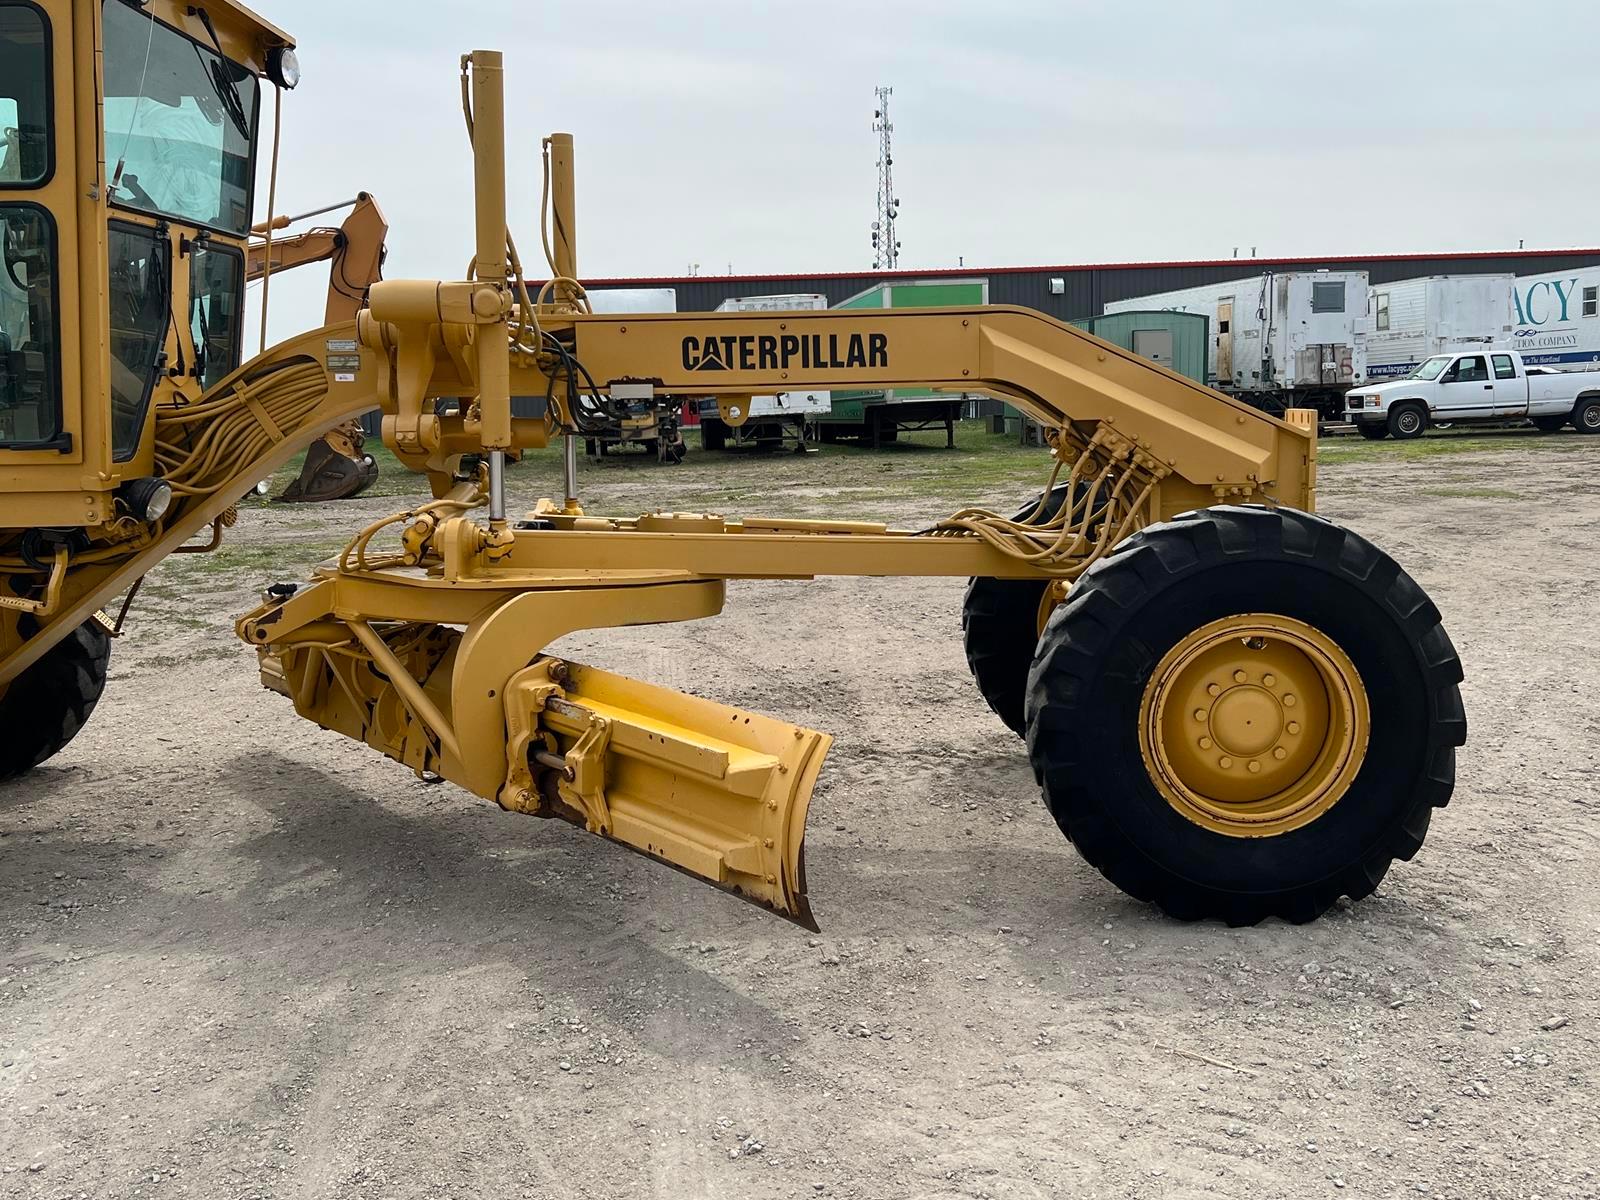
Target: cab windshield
[
  {"x": 180, "y": 124},
  {"x": 1430, "y": 368}
]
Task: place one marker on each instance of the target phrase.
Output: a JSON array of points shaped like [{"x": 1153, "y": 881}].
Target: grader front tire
[
  {"x": 1245, "y": 713},
  {"x": 44, "y": 707}
]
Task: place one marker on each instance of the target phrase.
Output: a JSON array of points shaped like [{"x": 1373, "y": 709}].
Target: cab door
[
  {"x": 1466, "y": 389},
  {"x": 1510, "y": 386}
]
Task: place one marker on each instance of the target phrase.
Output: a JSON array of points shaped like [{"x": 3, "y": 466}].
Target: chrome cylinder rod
[
  {"x": 569, "y": 469},
  {"x": 497, "y": 485}
]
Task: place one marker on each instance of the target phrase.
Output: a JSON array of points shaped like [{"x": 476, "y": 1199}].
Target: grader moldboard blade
[{"x": 719, "y": 793}]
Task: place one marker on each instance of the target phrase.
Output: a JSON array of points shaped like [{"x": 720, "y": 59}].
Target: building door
[
  {"x": 1224, "y": 341},
  {"x": 1154, "y": 344}
]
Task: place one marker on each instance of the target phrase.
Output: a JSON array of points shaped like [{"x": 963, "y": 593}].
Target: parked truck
[
  {"x": 1557, "y": 319},
  {"x": 776, "y": 420},
  {"x": 1415, "y": 319},
  {"x": 1476, "y": 386},
  {"x": 1284, "y": 339}
]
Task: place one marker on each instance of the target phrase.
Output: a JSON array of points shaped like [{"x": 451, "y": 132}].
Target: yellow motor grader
[{"x": 1235, "y": 709}]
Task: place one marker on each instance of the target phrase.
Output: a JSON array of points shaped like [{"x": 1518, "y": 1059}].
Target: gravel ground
[{"x": 243, "y": 957}]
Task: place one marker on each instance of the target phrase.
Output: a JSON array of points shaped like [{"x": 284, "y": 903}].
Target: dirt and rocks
[{"x": 243, "y": 957}]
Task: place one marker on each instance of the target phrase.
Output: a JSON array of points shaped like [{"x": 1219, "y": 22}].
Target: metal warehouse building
[{"x": 1074, "y": 292}]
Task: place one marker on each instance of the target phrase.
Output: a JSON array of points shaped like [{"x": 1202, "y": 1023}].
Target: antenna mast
[{"x": 885, "y": 244}]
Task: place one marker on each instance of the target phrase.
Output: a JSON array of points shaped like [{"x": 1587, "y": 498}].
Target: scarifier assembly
[{"x": 1235, "y": 709}]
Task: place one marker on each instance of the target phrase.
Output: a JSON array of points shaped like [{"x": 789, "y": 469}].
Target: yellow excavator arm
[{"x": 335, "y": 466}]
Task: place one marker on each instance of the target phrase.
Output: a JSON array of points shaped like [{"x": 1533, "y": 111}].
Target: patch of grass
[{"x": 1434, "y": 445}]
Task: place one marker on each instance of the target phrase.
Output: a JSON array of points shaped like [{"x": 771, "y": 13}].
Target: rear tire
[
  {"x": 1586, "y": 417},
  {"x": 1372, "y": 431},
  {"x": 1407, "y": 421},
  {"x": 44, "y": 707},
  {"x": 1101, "y": 659}
]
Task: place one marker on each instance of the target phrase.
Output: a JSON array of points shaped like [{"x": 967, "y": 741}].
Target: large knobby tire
[
  {"x": 1407, "y": 421},
  {"x": 1586, "y": 416},
  {"x": 44, "y": 707},
  {"x": 1107, "y": 652},
  {"x": 1373, "y": 431},
  {"x": 1000, "y": 630}
]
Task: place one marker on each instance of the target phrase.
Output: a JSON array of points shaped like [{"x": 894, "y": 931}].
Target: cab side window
[
  {"x": 1467, "y": 370},
  {"x": 30, "y": 365},
  {"x": 1504, "y": 368},
  {"x": 25, "y": 143},
  {"x": 141, "y": 299},
  {"x": 216, "y": 309},
  {"x": 30, "y": 376}
]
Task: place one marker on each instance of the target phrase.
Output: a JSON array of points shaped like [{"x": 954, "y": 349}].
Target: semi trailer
[
  {"x": 1414, "y": 319},
  {"x": 1280, "y": 340}
]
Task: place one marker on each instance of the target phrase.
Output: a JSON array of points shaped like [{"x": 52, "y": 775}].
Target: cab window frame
[
  {"x": 60, "y": 441},
  {"x": 49, "y": 46},
  {"x": 255, "y": 140}
]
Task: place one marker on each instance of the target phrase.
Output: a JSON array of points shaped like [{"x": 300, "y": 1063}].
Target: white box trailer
[
  {"x": 1557, "y": 318},
  {"x": 1414, "y": 319},
  {"x": 1284, "y": 339},
  {"x": 777, "y": 418}
]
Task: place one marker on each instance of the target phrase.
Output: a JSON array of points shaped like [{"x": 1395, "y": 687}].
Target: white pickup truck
[{"x": 1476, "y": 385}]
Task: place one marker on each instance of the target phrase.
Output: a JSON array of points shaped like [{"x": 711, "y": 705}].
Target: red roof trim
[{"x": 1067, "y": 269}]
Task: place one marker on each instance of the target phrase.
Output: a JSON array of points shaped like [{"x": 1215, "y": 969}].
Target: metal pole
[
  {"x": 564, "y": 214},
  {"x": 489, "y": 187},
  {"x": 569, "y": 471}
]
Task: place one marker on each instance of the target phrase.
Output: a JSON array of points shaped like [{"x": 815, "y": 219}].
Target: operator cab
[{"x": 123, "y": 238}]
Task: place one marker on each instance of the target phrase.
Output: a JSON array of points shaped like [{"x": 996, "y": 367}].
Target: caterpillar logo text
[{"x": 781, "y": 352}]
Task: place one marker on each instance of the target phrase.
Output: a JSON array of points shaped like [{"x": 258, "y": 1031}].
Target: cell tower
[{"x": 885, "y": 245}]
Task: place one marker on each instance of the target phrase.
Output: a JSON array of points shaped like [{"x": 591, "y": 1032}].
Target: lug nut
[
  {"x": 1224, "y": 762},
  {"x": 1239, "y": 677},
  {"x": 1293, "y": 727},
  {"x": 1288, "y": 701},
  {"x": 1269, "y": 679},
  {"x": 1279, "y": 753},
  {"x": 1253, "y": 766},
  {"x": 1199, "y": 714},
  {"x": 1213, "y": 689},
  {"x": 1205, "y": 743}
]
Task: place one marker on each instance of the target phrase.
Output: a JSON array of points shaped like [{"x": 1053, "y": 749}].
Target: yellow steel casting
[{"x": 1254, "y": 725}]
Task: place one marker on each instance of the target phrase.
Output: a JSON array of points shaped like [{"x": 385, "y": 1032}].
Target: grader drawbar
[{"x": 1235, "y": 709}]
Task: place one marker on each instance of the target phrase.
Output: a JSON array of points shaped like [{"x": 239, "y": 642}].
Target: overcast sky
[{"x": 1026, "y": 132}]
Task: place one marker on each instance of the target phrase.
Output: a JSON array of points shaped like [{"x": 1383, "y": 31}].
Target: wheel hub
[{"x": 1254, "y": 725}]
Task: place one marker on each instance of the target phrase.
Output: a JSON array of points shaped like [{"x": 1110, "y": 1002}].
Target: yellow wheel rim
[{"x": 1254, "y": 725}]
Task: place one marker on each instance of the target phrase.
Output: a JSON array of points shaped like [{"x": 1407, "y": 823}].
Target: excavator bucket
[
  {"x": 719, "y": 793},
  {"x": 336, "y": 468}
]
